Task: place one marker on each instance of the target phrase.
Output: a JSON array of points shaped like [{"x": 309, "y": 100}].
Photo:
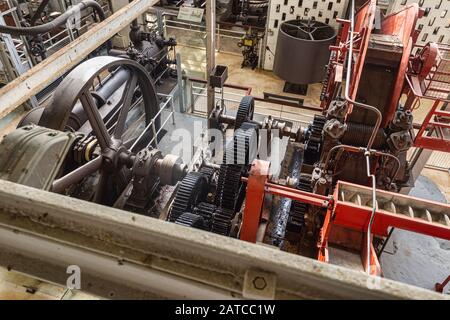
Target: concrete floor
[
  {"x": 409, "y": 258},
  {"x": 415, "y": 259}
]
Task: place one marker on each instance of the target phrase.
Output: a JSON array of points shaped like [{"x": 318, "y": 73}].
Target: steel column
[
  {"x": 180, "y": 92},
  {"x": 210, "y": 16}
]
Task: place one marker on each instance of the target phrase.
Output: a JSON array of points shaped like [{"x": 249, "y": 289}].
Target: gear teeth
[
  {"x": 208, "y": 172},
  {"x": 191, "y": 220},
  {"x": 314, "y": 142},
  {"x": 228, "y": 191},
  {"x": 192, "y": 189},
  {"x": 296, "y": 220},
  {"x": 206, "y": 210},
  {"x": 237, "y": 156},
  {"x": 245, "y": 111}
]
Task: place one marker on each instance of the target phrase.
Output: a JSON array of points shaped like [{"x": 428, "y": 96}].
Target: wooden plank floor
[{"x": 16, "y": 286}]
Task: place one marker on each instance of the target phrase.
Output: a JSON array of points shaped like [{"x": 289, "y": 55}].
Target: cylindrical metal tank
[{"x": 303, "y": 51}]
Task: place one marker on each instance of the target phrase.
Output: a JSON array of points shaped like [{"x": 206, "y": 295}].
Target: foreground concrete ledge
[{"x": 119, "y": 251}]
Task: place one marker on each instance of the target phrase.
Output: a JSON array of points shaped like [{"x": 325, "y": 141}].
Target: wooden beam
[{"x": 37, "y": 78}]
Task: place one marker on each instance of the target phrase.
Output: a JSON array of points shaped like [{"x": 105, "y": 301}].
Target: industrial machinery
[
  {"x": 46, "y": 24},
  {"x": 243, "y": 12},
  {"x": 342, "y": 181},
  {"x": 249, "y": 43},
  {"x": 302, "y": 51},
  {"x": 342, "y": 175},
  {"x": 93, "y": 139}
]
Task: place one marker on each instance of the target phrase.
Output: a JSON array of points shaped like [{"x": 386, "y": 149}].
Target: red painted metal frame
[
  {"x": 298, "y": 195},
  {"x": 356, "y": 217},
  {"x": 322, "y": 243},
  {"x": 364, "y": 22},
  {"x": 340, "y": 213},
  {"x": 401, "y": 24},
  {"x": 254, "y": 200},
  {"x": 257, "y": 186},
  {"x": 440, "y": 286},
  {"x": 424, "y": 70}
]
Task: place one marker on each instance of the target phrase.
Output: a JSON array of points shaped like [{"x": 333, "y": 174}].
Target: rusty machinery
[
  {"x": 343, "y": 175},
  {"x": 94, "y": 140},
  {"x": 249, "y": 44}
]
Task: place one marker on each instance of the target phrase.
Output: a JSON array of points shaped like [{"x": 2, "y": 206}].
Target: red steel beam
[
  {"x": 440, "y": 286},
  {"x": 432, "y": 143},
  {"x": 356, "y": 217},
  {"x": 254, "y": 199},
  {"x": 298, "y": 195}
]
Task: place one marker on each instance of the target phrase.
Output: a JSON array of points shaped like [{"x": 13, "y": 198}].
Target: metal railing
[
  {"x": 433, "y": 92},
  {"x": 199, "y": 32},
  {"x": 230, "y": 96},
  {"x": 167, "y": 104},
  {"x": 437, "y": 82},
  {"x": 194, "y": 35}
]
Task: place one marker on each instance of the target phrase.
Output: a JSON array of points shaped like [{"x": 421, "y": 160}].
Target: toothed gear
[
  {"x": 229, "y": 188},
  {"x": 192, "y": 190},
  {"x": 206, "y": 211},
  {"x": 208, "y": 172},
  {"x": 191, "y": 220},
  {"x": 221, "y": 222},
  {"x": 314, "y": 142},
  {"x": 296, "y": 219},
  {"x": 245, "y": 111},
  {"x": 236, "y": 159}
]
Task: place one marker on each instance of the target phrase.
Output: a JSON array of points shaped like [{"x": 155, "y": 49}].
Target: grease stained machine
[{"x": 342, "y": 177}]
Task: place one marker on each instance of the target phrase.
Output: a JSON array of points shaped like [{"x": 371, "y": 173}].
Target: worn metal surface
[
  {"x": 38, "y": 77},
  {"x": 210, "y": 19},
  {"x": 33, "y": 155},
  {"x": 126, "y": 255}
]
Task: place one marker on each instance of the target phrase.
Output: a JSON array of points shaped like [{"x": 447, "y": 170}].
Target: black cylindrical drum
[{"x": 303, "y": 51}]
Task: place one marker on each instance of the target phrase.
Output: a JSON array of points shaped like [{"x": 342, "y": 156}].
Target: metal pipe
[
  {"x": 362, "y": 149},
  {"x": 34, "y": 80},
  {"x": 36, "y": 30},
  {"x": 59, "y": 185},
  {"x": 374, "y": 209},
  {"x": 367, "y": 154},
  {"x": 38, "y": 12},
  {"x": 111, "y": 85},
  {"x": 180, "y": 83},
  {"x": 347, "y": 80}
]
